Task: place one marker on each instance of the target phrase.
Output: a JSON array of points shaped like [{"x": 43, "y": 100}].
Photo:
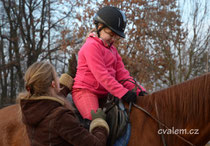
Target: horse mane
[{"x": 182, "y": 103}]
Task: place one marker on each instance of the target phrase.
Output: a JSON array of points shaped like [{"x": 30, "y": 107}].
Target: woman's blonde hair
[{"x": 38, "y": 78}]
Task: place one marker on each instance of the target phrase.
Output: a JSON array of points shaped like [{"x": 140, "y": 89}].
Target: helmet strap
[{"x": 98, "y": 30}]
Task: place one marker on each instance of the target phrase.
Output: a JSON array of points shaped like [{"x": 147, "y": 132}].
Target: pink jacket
[{"x": 100, "y": 69}]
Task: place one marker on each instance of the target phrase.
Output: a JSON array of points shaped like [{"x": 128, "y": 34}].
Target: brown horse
[{"x": 183, "y": 107}]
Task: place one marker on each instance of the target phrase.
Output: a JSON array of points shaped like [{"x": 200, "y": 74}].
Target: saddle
[{"x": 117, "y": 119}]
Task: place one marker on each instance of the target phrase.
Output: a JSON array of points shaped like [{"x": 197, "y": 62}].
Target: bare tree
[
  {"x": 29, "y": 32},
  {"x": 197, "y": 39},
  {"x": 160, "y": 49}
]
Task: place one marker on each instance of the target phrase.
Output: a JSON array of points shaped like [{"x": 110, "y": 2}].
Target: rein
[
  {"x": 162, "y": 136},
  {"x": 147, "y": 113},
  {"x": 160, "y": 123}
]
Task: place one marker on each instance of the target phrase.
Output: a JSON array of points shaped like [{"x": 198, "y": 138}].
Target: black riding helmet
[{"x": 113, "y": 18}]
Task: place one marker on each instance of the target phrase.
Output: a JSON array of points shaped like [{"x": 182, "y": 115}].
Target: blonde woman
[{"x": 48, "y": 119}]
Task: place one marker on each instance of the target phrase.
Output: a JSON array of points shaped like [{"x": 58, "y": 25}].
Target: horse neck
[{"x": 183, "y": 106}]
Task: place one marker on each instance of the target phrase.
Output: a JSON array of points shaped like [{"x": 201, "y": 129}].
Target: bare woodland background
[{"x": 160, "y": 49}]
